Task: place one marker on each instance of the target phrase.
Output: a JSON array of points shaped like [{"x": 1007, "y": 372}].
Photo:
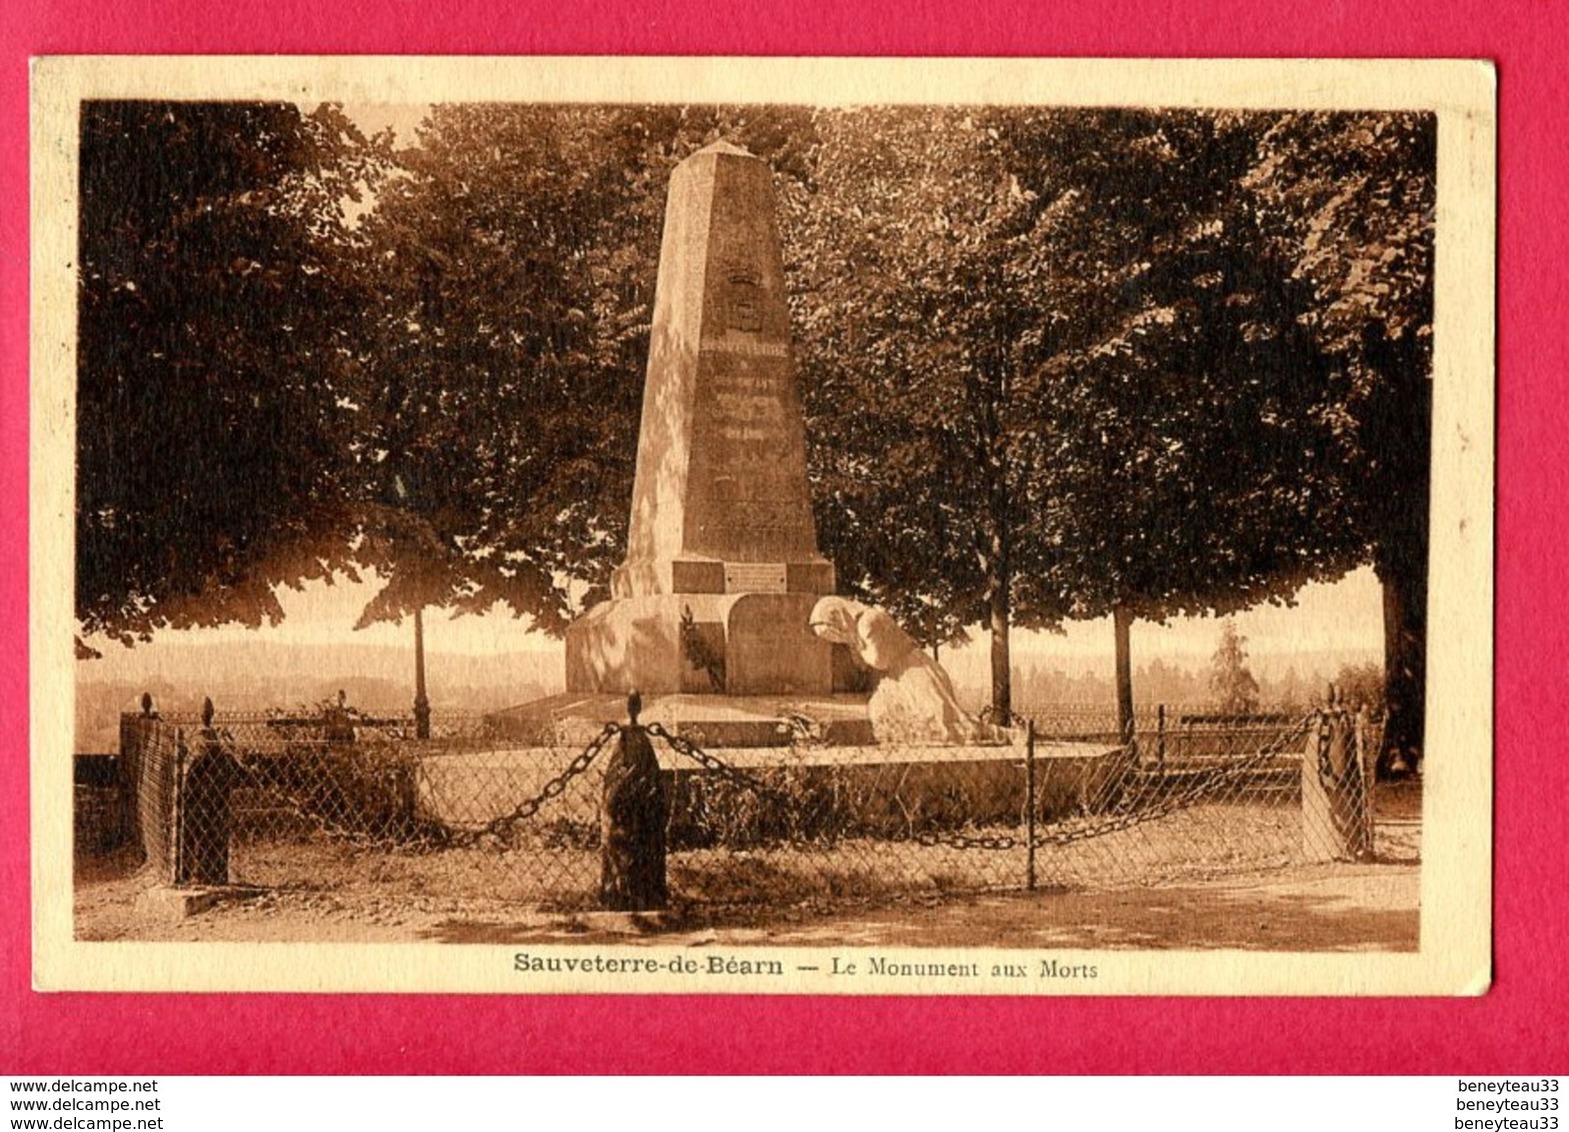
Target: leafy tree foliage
[
  {"x": 1056, "y": 363},
  {"x": 511, "y": 288},
  {"x": 515, "y": 261},
  {"x": 444, "y": 388},
  {"x": 214, "y": 351},
  {"x": 1361, "y": 685},
  {"x": 1351, "y": 199},
  {"x": 1194, "y": 415},
  {"x": 918, "y": 294},
  {"x": 1200, "y": 447},
  {"x": 1061, "y": 370}
]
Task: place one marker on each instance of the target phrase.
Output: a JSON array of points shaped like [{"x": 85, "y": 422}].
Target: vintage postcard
[{"x": 739, "y": 525}]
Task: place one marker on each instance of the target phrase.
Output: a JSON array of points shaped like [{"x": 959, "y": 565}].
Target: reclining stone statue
[{"x": 912, "y": 697}]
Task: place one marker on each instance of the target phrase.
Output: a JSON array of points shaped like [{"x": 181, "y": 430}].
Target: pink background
[{"x": 1518, "y": 1028}]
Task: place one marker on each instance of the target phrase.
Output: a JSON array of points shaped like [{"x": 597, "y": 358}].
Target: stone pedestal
[
  {"x": 732, "y": 644},
  {"x": 731, "y": 722}
]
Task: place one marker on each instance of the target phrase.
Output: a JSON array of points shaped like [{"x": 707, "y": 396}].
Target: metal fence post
[
  {"x": 1029, "y": 805},
  {"x": 1160, "y": 738}
]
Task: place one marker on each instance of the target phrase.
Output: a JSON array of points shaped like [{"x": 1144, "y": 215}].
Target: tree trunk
[
  {"x": 1397, "y": 428},
  {"x": 421, "y": 701},
  {"x": 1000, "y": 614},
  {"x": 1405, "y": 669},
  {"x": 1121, "y": 622}
]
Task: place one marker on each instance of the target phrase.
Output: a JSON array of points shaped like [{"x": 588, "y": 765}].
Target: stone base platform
[
  {"x": 882, "y": 785},
  {"x": 983, "y": 782},
  {"x": 166, "y": 902},
  {"x": 737, "y": 644},
  {"x": 709, "y": 720}
]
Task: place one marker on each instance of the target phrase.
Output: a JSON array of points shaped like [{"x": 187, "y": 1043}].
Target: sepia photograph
[{"x": 784, "y": 526}]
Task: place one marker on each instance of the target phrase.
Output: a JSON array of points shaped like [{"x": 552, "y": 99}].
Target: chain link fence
[
  {"x": 341, "y": 800},
  {"x": 1203, "y": 793}
]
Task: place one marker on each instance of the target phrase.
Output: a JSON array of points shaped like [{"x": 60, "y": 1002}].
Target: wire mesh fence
[
  {"x": 339, "y": 799},
  {"x": 1200, "y": 792}
]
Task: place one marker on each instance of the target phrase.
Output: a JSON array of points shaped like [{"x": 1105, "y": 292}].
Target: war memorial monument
[{"x": 723, "y": 616}]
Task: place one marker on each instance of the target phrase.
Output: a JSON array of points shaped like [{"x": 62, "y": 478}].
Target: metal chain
[
  {"x": 1326, "y": 773},
  {"x": 1201, "y": 788},
  {"x": 1191, "y": 796},
  {"x": 961, "y": 841},
  {"x": 740, "y": 778},
  {"x": 1008, "y": 718},
  {"x": 992, "y": 717},
  {"x": 530, "y": 806},
  {"x": 734, "y": 775}
]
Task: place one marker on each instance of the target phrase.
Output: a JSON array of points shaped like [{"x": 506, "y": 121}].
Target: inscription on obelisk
[
  {"x": 722, "y": 566},
  {"x": 721, "y": 468}
]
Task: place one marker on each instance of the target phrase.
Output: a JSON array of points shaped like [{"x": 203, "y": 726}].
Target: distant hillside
[
  {"x": 257, "y": 676},
  {"x": 971, "y": 667}
]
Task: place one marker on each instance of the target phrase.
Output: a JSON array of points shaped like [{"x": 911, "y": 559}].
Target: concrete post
[
  {"x": 632, "y": 823},
  {"x": 1337, "y": 817},
  {"x": 205, "y": 821}
]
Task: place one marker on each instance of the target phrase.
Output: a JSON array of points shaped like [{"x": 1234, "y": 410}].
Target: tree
[
  {"x": 515, "y": 261},
  {"x": 512, "y": 276},
  {"x": 1231, "y": 684},
  {"x": 1063, "y": 371},
  {"x": 1362, "y": 685},
  {"x": 1195, "y": 464},
  {"x": 213, "y": 356},
  {"x": 1275, "y": 272},
  {"x": 1291, "y": 695},
  {"x": 917, "y": 295},
  {"x": 1350, "y": 198}
]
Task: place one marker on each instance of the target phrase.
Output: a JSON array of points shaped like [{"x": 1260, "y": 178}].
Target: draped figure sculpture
[{"x": 912, "y": 698}]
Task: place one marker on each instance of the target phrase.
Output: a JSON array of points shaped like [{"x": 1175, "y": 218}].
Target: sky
[{"x": 373, "y": 117}]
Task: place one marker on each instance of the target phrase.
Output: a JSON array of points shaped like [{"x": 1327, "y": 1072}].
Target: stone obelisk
[{"x": 722, "y": 566}]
